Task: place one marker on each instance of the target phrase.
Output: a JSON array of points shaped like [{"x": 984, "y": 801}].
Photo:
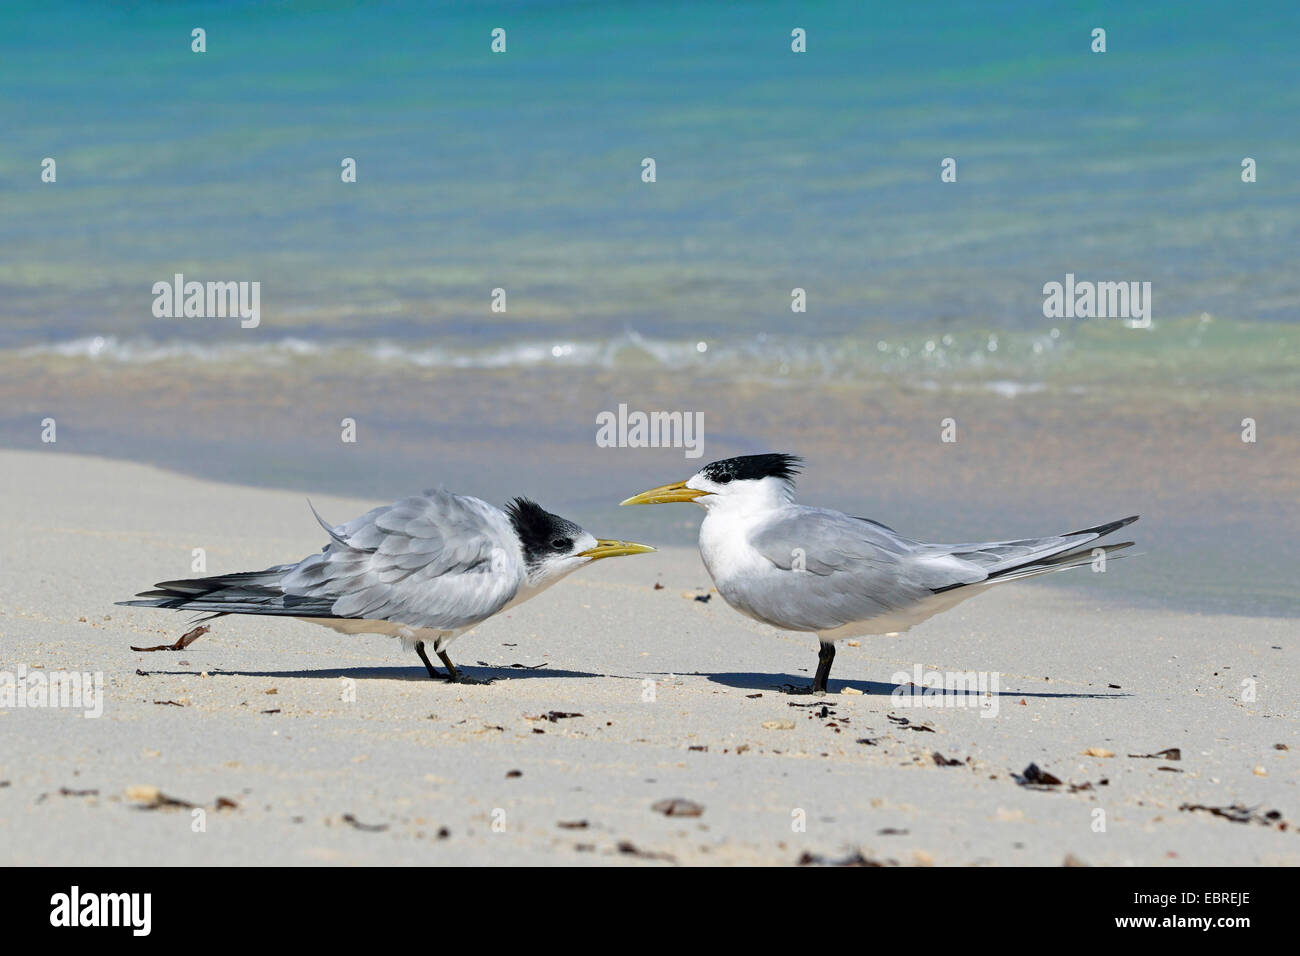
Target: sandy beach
[{"x": 613, "y": 692}]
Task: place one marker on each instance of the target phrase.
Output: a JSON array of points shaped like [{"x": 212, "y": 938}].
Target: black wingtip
[{"x": 1105, "y": 529}]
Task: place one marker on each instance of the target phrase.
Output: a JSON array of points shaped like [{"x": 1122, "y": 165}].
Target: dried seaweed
[{"x": 185, "y": 640}]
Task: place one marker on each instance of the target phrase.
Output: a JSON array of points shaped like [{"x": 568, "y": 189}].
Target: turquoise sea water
[{"x": 521, "y": 170}]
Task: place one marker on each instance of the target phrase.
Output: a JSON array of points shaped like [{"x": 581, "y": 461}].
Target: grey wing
[
  {"x": 1009, "y": 560},
  {"x": 436, "y": 560},
  {"x": 831, "y": 569},
  {"x": 841, "y": 569}
]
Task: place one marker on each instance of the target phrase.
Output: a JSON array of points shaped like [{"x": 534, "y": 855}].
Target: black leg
[
  {"x": 825, "y": 658},
  {"x": 433, "y": 672},
  {"x": 451, "y": 668},
  {"x": 456, "y": 676}
]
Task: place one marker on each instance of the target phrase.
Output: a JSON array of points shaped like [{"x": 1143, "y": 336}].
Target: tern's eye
[
  {"x": 723, "y": 479},
  {"x": 561, "y": 544}
]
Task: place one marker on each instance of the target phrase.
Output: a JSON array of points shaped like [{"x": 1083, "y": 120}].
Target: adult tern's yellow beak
[
  {"x": 612, "y": 549},
  {"x": 665, "y": 494}
]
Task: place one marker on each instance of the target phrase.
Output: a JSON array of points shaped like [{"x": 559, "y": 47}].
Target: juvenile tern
[
  {"x": 812, "y": 569},
  {"x": 425, "y": 570}
]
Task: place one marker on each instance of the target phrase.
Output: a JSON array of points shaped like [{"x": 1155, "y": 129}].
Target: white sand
[{"x": 415, "y": 756}]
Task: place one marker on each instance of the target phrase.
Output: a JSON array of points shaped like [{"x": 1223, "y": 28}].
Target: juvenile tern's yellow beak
[
  {"x": 612, "y": 549},
  {"x": 666, "y": 494}
]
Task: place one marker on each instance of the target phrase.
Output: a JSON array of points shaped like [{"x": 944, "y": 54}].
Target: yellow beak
[
  {"x": 613, "y": 549},
  {"x": 665, "y": 494}
]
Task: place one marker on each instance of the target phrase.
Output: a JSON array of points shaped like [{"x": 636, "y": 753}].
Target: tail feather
[
  {"x": 1062, "y": 562},
  {"x": 1060, "y": 557},
  {"x": 1010, "y": 560},
  {"x": 248, "y": 592}
]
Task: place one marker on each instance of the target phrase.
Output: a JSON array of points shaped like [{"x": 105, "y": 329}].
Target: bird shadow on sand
[
  {"x": 414, "y": 674},
  {"x": 777, "y": 682}
]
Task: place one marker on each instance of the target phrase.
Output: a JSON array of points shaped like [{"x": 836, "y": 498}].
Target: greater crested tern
[
  {"x": 816, "y": 570},
  {"x": 425, "y": 569}
]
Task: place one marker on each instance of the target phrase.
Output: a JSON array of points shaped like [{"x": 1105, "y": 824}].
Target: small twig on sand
[{"x": 186, "y": 639}]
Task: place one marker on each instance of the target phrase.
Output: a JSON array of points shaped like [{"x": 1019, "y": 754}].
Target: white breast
[{"x": 735, "y": 566}]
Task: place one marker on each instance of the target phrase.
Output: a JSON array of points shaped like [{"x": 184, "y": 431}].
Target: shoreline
[{"x": 1038, "y": 463}]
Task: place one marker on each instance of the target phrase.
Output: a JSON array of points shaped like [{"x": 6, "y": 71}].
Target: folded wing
[
  {"x": 830, "y": 569},
  {"x": 436, "y": 560}
]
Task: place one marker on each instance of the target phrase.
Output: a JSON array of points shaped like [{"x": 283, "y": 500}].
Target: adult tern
[
  {"x": 812, "y": 569},
  {"x": 425, "y": 570}
]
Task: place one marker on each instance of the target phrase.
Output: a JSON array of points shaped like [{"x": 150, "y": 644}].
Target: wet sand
[{"x": 1089, "y": 445}]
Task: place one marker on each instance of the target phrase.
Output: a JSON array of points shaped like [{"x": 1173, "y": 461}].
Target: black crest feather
[
  {"x": 540, "y": 532},
  {"x": 773, "y": 465}
]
